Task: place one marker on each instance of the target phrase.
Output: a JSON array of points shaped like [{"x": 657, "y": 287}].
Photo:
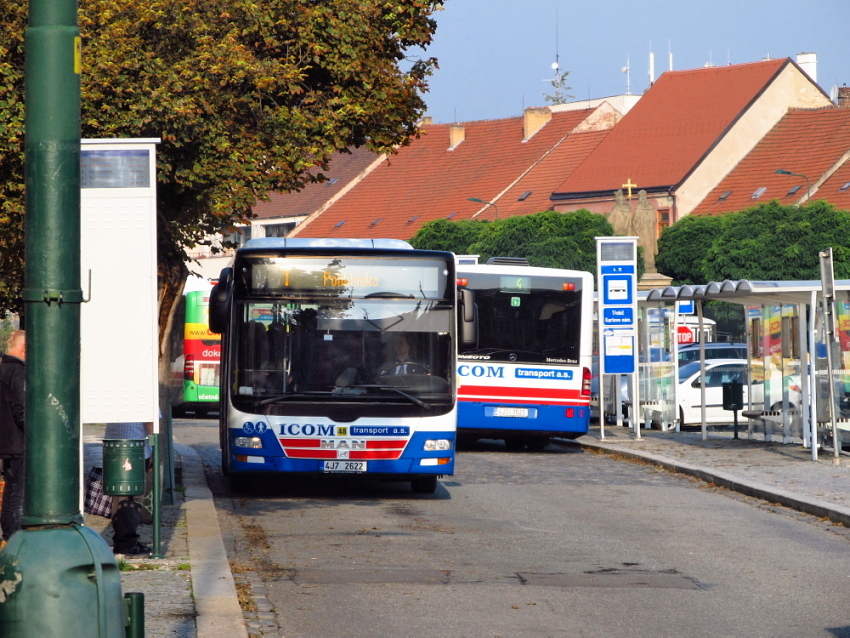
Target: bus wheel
[
  {"x": 238, "y": 482},
  {"x": 537, "y": 443},
  {"x": 515, "y": 444},
  {"x": 424, "y": 485}
]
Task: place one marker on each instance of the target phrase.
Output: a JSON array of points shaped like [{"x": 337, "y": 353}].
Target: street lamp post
[
  {"x": 481, "y": 201},
  {"x": 781, "y": 171}
]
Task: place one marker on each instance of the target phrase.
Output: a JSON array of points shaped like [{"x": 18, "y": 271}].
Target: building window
[
  {"x": 278, "y": 230},
  {"x": 238, "y": 235},
  {"x": 663, "y": 217}
]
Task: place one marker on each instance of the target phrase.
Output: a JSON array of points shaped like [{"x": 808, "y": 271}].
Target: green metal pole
[
  {"x": 60, "y": 578},
  {"x": 52, "y": 293}
]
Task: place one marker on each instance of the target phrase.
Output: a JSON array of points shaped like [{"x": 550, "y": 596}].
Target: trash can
[
  {"x": 123, "y": 467},
  {"x": 733, "y": 396}
]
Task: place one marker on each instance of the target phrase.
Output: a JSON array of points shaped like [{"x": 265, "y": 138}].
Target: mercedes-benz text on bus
[
  {"x": 528, "y": 379},
  {"x": 339, "y": 358}
]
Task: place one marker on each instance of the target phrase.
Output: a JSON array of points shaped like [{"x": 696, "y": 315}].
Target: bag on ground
[{"x": 96, "y": 502}]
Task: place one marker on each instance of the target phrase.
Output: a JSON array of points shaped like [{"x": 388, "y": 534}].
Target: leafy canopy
[
  {"x": 766, "y": 242},
  {"x": 548, "y": 239},
  {"x": 247, "y": 99}
]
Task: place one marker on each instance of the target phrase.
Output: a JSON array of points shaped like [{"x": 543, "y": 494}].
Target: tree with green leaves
[
  {"x": 560, "y": 88},
  {"x": 443, "y": 234},
  {"x": 682, "y": 248},
  {"x": 766, "y": 242},
  {"x": 775, "y": 242},
  {"x": 548, "y": 239},
  {"x": 247, "y": 99}
]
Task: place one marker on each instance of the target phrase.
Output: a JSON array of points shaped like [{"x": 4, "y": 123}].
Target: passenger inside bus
[{"x": 347, "y": 362}]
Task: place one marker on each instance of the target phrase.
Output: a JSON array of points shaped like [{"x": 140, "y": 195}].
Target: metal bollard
[{"x": 134, "y": 607}]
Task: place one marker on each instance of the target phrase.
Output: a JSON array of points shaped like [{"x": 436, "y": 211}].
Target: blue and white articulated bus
[
  {"x": 528, "y": 378},
  {"x": 311, "y": 382}
]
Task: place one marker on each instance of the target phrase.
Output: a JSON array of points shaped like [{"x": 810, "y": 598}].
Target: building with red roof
[
  {"x": 680, "y": 140},
  {"x": 810, "y": 146},
  {"x": 511, "y": 165}
]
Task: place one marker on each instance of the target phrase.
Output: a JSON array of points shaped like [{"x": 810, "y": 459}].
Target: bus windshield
[{"x": 388, "y": 355}]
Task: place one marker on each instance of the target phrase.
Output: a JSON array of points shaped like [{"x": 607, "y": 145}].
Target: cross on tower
[{"x": 630, "y": 186}]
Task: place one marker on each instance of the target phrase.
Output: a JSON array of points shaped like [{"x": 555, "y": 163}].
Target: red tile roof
[
  {"x": 836, "y": 189},
  {"x": 668, "y": 132},
  {"x": 343, "y": 168},
  {"x": 427, "y": 180},
  {"x": 809, "y": 142}
]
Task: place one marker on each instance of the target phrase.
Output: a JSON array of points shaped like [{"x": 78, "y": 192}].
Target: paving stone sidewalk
[
  {"x": 778, "y": 472},
  {"x": 165, "y": 582}
]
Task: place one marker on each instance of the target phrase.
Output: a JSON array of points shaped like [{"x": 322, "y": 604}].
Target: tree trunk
[{"x": 172, "y": 279}]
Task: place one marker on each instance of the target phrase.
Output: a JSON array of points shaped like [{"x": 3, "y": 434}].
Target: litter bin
[
  {"x": 733, "y": 395},
  {"x": 123, "y": 467}
]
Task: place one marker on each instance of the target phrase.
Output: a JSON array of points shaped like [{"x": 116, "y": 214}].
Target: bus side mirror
[
  {"x": 468, "y": 318},
  {"x": 220, "y": 302}
]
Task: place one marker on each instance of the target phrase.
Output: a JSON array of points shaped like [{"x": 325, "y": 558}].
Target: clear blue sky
[{"x": 494, "y": 55}]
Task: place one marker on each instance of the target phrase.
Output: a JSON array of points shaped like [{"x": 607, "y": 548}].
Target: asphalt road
[{"x": 562, "y": 542}]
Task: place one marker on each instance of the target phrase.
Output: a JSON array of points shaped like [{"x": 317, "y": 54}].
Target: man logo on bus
[{"x": 491, "y": 372}]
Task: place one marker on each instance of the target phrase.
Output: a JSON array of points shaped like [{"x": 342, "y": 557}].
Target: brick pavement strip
[{"x": 189, "y": 592}]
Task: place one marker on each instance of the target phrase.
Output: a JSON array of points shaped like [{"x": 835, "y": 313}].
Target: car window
[{"x": 718, "y": 375}]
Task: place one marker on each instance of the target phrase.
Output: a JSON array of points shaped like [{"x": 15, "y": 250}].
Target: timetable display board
[{"x": 616, "y": 259}]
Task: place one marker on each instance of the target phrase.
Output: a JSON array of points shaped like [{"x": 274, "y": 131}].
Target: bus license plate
[
  {"x": 521, "y": 413},
  {"x": 344, "y": 466}
]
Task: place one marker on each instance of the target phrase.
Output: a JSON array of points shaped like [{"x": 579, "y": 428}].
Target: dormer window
[
  {"x": 759, "y": 192},
  {"x": 724, "y": 196},
  {"x": 795, "y": 189},
  {"x": 339, "y": 224},
  {"x": 845, "y": 187},
  {"x": 524, "y": 196}
]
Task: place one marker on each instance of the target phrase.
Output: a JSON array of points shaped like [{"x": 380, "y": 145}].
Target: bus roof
[{"x": 262, "y": 243}]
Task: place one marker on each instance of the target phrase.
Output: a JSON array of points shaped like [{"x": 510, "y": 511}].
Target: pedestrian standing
[{"x": 12, "y": 443}]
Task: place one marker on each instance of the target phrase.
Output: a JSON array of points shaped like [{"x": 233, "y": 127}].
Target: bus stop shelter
[{"x": 798, "y": 350}]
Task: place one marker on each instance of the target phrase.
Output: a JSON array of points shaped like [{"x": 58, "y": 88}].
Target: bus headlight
[
  {"x": 248, "y": 441},
  {"x": 433, "y": 445}
]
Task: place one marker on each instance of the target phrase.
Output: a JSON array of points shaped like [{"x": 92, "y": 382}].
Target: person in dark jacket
[{"x": 12, "y": 386}]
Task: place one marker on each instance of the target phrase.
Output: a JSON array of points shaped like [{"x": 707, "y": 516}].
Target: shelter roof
[
  {"x": 809, "y": 142},
  {"x": 431, "y": 179},
  {"x": 672, "y": 128},
  {"x": 745, "y": 292}
]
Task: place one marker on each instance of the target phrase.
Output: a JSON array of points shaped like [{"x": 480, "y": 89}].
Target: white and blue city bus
[
  {"x": 528, "y": 378},
  {"x": 308, "y": 381}
]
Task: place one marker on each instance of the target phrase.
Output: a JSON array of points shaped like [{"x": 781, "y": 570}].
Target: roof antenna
[
  {"x": 628, "y": 71},
  {"x": 556, "y": 65}
]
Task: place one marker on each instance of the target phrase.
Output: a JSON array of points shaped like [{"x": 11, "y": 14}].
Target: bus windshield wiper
[
  {"x": 409, "y": 397},
  {"x": 290, "y": 395}
]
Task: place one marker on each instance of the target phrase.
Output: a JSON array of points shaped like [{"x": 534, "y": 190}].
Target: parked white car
[{"x": 718, "y": 372}]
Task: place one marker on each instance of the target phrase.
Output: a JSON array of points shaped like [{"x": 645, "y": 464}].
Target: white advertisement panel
[{"x": 118, "y": 268}]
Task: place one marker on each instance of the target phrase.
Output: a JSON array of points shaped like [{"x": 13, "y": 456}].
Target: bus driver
[{"x": 400, "y": 361}]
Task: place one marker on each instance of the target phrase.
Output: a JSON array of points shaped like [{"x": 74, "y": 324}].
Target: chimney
[
  {"x": 809, "y": 63},
  {"x": 457, "y": 133},
  {"x": 844, "y": 96},
  {"x": 426, "y": 120},
  {"x": 533, "y": 119}
]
